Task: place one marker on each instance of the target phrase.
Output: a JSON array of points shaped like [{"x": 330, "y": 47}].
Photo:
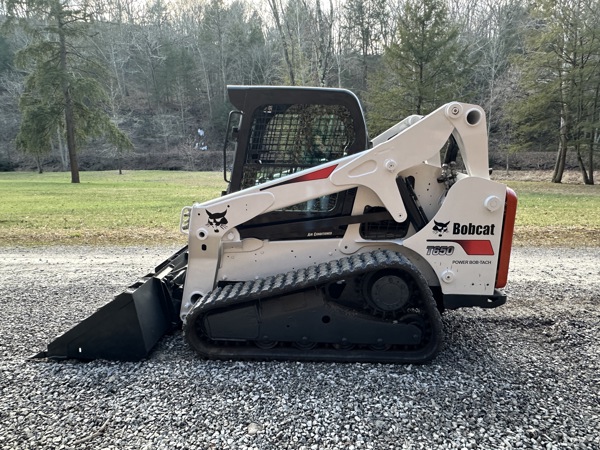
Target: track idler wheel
[
  {"x": 305, "y": 344},
  {"x": 381, "y": 347},
  {"x": 388, "y": 291},
  {"x": 265, "y": 344},
  {"x": 344, "y": 346}
]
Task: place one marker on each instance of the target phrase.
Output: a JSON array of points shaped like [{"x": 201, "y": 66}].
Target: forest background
[{"x": 141, "y": 77}]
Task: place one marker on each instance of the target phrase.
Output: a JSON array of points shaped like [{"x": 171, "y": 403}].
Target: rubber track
[{"x": 273, "y": 286}]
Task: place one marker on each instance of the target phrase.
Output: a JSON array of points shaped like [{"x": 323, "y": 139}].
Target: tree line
[{"x": 127, "y": 83}]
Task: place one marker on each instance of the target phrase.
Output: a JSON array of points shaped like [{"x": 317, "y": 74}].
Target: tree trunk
[
  {"x": 38, "y": 161},
  {"x": 207, "y": 83},
  {"x": 284, "y": 41},
  {"x": 325, "y": 41},
  {"x": 594, "y": 135},
  {"x": 69, "y": 115},
  {"x": 64, "y": 160},
  {"x": 591, "y": 157},
  {"x": 584, "y": 174},
  {"x": 365, "y": 64},
  {"x": 561, "y": 157}
]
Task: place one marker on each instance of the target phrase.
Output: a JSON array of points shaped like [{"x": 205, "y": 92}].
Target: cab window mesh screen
[{"x": 285, "y": 139}]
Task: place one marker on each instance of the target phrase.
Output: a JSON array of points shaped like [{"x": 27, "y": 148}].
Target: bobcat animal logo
[
  {"x": 440, "y": 227},
  {"x": 217, "y": 220}
]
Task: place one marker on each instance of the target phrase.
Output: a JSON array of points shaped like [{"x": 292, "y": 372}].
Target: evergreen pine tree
[
  {"x": 63, "y": 89},
  {"x": 422, "y": 69}
]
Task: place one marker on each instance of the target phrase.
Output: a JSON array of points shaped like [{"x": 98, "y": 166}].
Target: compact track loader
[{"x": 326, "y": 246}]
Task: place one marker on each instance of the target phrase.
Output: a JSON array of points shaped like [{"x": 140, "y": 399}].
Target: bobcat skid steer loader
[{"x": 326, "y": 246}]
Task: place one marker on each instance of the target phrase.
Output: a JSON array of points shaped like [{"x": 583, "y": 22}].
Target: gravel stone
[{"x": 524, "y": 375}]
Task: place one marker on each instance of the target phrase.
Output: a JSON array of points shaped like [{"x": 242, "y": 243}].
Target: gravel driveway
[{"x": 523, "y": 375}]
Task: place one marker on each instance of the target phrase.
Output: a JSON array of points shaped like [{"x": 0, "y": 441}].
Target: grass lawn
[
  {"x": 136, "y": 208},
  {"x": 143, "y": 207},
  {"x": 552, "y": 214}
]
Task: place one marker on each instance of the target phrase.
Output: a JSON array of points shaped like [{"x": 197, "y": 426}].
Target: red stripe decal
[
  {"x": 312, "y": 176},
  {"x": 476, "y": 247}
]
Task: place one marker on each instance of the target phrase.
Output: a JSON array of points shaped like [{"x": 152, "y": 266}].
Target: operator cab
[{"x": 283, "y": 130}]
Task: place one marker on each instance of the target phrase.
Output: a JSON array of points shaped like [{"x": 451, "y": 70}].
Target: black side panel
[{"x": 305, "y": 220}]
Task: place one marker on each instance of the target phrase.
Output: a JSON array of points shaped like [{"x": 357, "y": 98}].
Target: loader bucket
[{"x": 127, "y": 328}]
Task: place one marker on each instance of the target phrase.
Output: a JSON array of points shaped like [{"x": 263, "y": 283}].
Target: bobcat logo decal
[
  {"x": 440, "y": 228},
  {"x": 217, "y": 220}
]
